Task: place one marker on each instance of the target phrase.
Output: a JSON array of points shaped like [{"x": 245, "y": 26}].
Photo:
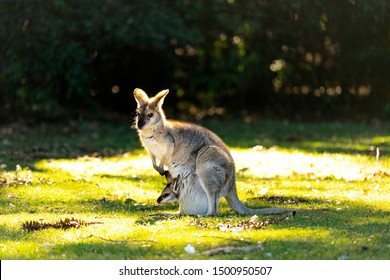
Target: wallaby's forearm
[{"x": 159, "y": 167}]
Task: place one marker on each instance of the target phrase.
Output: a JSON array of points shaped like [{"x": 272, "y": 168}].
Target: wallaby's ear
[
  {"x": 140, "y": 96},
  {"x": 159, "y": 98}
]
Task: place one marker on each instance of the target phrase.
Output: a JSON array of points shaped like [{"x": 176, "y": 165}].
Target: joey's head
[
  {"x": 149, "y": 111},
  {"x": 171, "y": 191}
]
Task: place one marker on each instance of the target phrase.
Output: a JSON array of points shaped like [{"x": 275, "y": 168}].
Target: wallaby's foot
[{"x": 211, "y": 214}]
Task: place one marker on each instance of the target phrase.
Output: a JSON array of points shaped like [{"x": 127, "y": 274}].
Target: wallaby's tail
[{"x": 237, "y": 205}]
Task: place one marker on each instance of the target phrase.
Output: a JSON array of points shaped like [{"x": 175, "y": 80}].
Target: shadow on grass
[
  {"x": 320, "y": 249},
  {"x": 126, "y": 207},
  {"x": 121, "y": 177},
  {"x": 100, "y": 249},
  {"x": 129, "y": 206},
  {"x": 335, "y": 137},
  {"x": 26, "y": 144},
  {"x": 286, "y": 200}
]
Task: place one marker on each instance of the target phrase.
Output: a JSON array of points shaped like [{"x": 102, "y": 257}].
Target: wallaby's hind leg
[
  {"x": 210, "y": 185},
  {"x": 211, "y": 169}
]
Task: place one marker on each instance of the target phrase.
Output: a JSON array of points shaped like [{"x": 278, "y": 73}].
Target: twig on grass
[
  {"x": 232, "y": 250},
  {"x": 229, "y": 239},
  {"x": 125, "y": 240}
]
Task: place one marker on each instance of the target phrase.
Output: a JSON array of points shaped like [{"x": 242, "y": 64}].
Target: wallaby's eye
[
  {"x": 150, "y": 115},
  {"x": 165, "y": 195}
]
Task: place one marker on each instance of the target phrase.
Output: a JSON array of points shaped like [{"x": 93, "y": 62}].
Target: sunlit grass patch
[
  {"x": 85, "y": 167},
  {"x": 330, "y": 173},
  {"x": 274, "y": 162}
]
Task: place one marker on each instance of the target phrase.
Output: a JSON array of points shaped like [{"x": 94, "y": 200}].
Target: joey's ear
[
  {"x": 140, "y": 96},
  {"x": 176, "y": 186},
  {"x": 168, "y": 176},
  {"x": 159, "y": 98}
]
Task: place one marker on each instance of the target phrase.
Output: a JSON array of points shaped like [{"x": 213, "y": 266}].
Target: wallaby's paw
[{"x": 160, "y": 170}]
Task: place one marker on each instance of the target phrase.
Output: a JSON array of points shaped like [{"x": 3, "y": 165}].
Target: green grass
[{"x": 98, "y": 172}]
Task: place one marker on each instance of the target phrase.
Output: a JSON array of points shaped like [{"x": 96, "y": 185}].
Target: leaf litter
[
  {"x": 253, "y": 223},
  {"x": 20, "y": 177}
]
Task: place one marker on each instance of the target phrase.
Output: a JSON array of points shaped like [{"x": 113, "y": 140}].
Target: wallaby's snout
[
  {"x": 160, "y": 198},
  {"x": 165, "y": 194},
  {"x": 144, "y": 117},
  {"x": 140, "y": 122}
]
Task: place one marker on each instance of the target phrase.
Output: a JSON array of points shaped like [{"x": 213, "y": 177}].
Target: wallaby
[
  {"x": 190, "y": 150},
  {"x": 188, "y": 192}
]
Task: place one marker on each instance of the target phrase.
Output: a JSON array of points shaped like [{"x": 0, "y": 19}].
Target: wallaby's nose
[
  {"x": 159, "y": 199},
  {"x": 140, "y": 123}
]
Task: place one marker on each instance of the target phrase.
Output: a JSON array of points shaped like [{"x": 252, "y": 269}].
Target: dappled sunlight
[
  {"x": 336, "y": 175},
  {"x": 131, "y": 173},
  {"x": 110, "y": 229},
  {"x": 123, "y": 191},
  {"x": 132, "y": 176},
  {"x": 271, "y": 163},
  {"x": 342, "y": 202},
  {"x": 120, "y": 177},
  {"x": 258, "y": 163}
]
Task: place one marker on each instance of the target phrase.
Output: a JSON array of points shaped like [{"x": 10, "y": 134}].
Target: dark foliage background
[{"x": 302, "y": 58}]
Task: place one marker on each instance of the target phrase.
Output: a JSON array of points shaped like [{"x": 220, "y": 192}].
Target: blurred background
[{"x": 301, "y": 59}]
